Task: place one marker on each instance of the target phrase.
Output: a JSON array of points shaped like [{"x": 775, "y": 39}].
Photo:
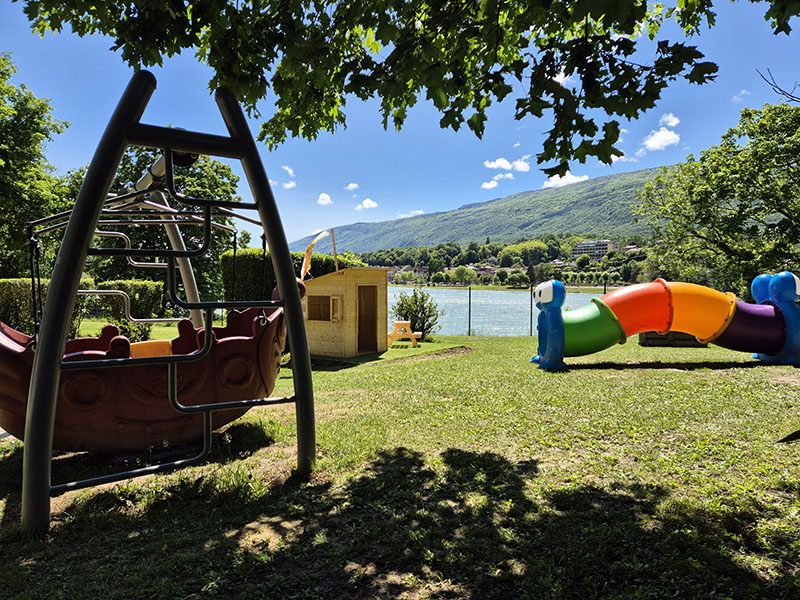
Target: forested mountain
[{"x": 600, "y": 206}]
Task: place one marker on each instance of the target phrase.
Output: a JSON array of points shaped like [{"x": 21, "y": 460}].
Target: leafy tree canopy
[
  {"x": 26, "y": 185},
  {"x": 734, "y": 212},
  {"x": 461, "y": 55}
]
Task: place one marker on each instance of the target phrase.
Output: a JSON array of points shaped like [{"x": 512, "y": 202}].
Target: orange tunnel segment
[{"x": 642, "y": 307}]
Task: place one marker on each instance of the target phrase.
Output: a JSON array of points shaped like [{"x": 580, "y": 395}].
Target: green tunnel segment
[{"x": 591, "y": 328}]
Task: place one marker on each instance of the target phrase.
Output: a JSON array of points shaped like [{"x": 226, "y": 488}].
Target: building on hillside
[
  {"x": 346, "y": 312},
  {"x": 486, "y": 271},
  {"x": 595, "y": 249}
]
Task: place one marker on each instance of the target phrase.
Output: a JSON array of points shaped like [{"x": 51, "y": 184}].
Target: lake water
[{"x": 494, "y": 312}]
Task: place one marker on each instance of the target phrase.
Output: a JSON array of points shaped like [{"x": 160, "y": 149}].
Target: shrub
[
  {"x": 518, "y": 280},
  {"x": 407, "y": 277},
  {"x": 16, "y": 305},
  {"x": 583, "y": 261},
  {"x": 250, "y": 268},
  {"x": 146, "y": 302},
  {"x": 420, "y": 309}
]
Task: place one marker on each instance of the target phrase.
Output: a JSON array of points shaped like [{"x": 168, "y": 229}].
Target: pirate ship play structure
[{"x": 108, "y": 394}]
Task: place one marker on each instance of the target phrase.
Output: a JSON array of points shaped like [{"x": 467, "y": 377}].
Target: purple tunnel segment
[{"x": 756, "y": 328}]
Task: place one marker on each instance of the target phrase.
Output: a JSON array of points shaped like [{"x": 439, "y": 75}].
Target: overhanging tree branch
[{"x": 770, "y": 80}]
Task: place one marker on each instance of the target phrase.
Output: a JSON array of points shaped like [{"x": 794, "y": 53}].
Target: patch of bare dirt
[
  {"x": 793, "y": 380},
  {"x": 268, "y": 532},
  {"x": 441, "y": 354}
]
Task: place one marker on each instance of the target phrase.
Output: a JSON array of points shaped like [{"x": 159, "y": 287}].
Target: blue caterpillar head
[
  {"x": 550, "y": 294},
  {"x": 759, "y": 287},
  {"x": 784, "y": 287}
]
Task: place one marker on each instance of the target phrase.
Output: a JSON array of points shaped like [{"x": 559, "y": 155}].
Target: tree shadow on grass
[
  {"x": 236, "y": 441},
  {"x": 705, "y": 365},
  {"x": 464, "y": 527}
]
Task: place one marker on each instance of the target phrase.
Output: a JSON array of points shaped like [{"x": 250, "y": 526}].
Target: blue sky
[{"x": 364, "y": 173}]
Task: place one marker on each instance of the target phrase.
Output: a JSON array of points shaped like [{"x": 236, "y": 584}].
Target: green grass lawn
[
  {"x": 159, "y": 331},
  {"x": 459, "y": 472}
]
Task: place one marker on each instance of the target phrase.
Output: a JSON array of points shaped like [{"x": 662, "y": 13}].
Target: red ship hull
[{"x": 126, "y": 408}]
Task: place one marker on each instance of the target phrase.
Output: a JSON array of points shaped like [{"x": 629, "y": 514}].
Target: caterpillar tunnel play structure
[
  {"x": 769, "y": 328},
  {"x": 109, "y": 394}
]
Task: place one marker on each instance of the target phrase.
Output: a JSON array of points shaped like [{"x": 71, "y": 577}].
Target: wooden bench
[{"x": 401, "y": 331}]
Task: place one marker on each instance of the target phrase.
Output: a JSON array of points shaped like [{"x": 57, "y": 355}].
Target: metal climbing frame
[{"x": 124, "y": 129}]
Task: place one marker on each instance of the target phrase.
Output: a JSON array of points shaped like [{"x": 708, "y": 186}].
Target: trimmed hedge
[
  {"x": 146, "y": 302},
  {"x": 249, "y": 265},
  {"x": 16, "y": 305}
]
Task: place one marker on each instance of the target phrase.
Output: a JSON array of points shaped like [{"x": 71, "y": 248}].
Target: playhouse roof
[{"x": 350, "y": 269}]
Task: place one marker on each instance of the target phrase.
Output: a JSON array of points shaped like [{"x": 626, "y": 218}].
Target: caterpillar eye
[{"x": 544, "y": 292}]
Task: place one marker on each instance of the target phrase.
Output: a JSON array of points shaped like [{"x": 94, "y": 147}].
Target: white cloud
[
  {"x": 669, "y": 120},
  {"x": 324, "y": 199},
  {"x": 288, "y": 169},
  {"x": 413, "y": 213},
  {"x": 557, "y": 181},
  {"x": 290, "y": 185},
  {"x": 521, "y": 164},
  {"x": 488, "y": 185},
  {"x": 500, "y": 176},
  {"x": 367, "y": 204},
  {"x": 517, "y": 145},
  {"x": 500, "y": 163},
  {"x": 740, "y": 96},
  {"x": 623, "y": 158},
  {"x": 351, "y": 186},
  {"x": 658, "y": 140}
]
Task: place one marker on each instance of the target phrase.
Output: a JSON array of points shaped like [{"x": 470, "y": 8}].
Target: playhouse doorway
[{"x": 367, "y": 319}]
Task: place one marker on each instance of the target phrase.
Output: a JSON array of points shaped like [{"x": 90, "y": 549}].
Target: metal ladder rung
[{"x": 172, "y": 291}]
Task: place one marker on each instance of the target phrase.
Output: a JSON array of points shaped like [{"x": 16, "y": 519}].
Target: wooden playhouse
[{"x": 347, "y": 312}]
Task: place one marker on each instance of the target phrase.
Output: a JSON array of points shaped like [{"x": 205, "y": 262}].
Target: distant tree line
[
  {"x": 519, "y": 263},
  {"x": 544, "y": 248}
]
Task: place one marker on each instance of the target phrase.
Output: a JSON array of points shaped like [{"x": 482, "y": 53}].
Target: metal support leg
[
  {"x": 41, "y": 411},
  {"x": 284, "y": 271}
]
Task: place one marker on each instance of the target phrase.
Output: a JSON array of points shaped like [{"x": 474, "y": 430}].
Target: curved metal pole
[
  {"x": 126, "y": 303},
  {"x": 284, "y": 271},
  {"x": 156, "y": 171},
  {"x": 184, "y": 264},
  {"x": 41, "y": 410}
]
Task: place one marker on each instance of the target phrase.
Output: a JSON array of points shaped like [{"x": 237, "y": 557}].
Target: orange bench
[{"x": 401, "y": 331}]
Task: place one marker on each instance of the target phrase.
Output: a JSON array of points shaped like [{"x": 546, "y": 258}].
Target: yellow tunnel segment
[{"x": 700, "y": 311}]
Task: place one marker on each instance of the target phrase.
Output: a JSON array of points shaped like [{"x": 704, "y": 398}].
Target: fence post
[
  {"x": 469, "y": 312},
  {"x": 531, "y": 310}
]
